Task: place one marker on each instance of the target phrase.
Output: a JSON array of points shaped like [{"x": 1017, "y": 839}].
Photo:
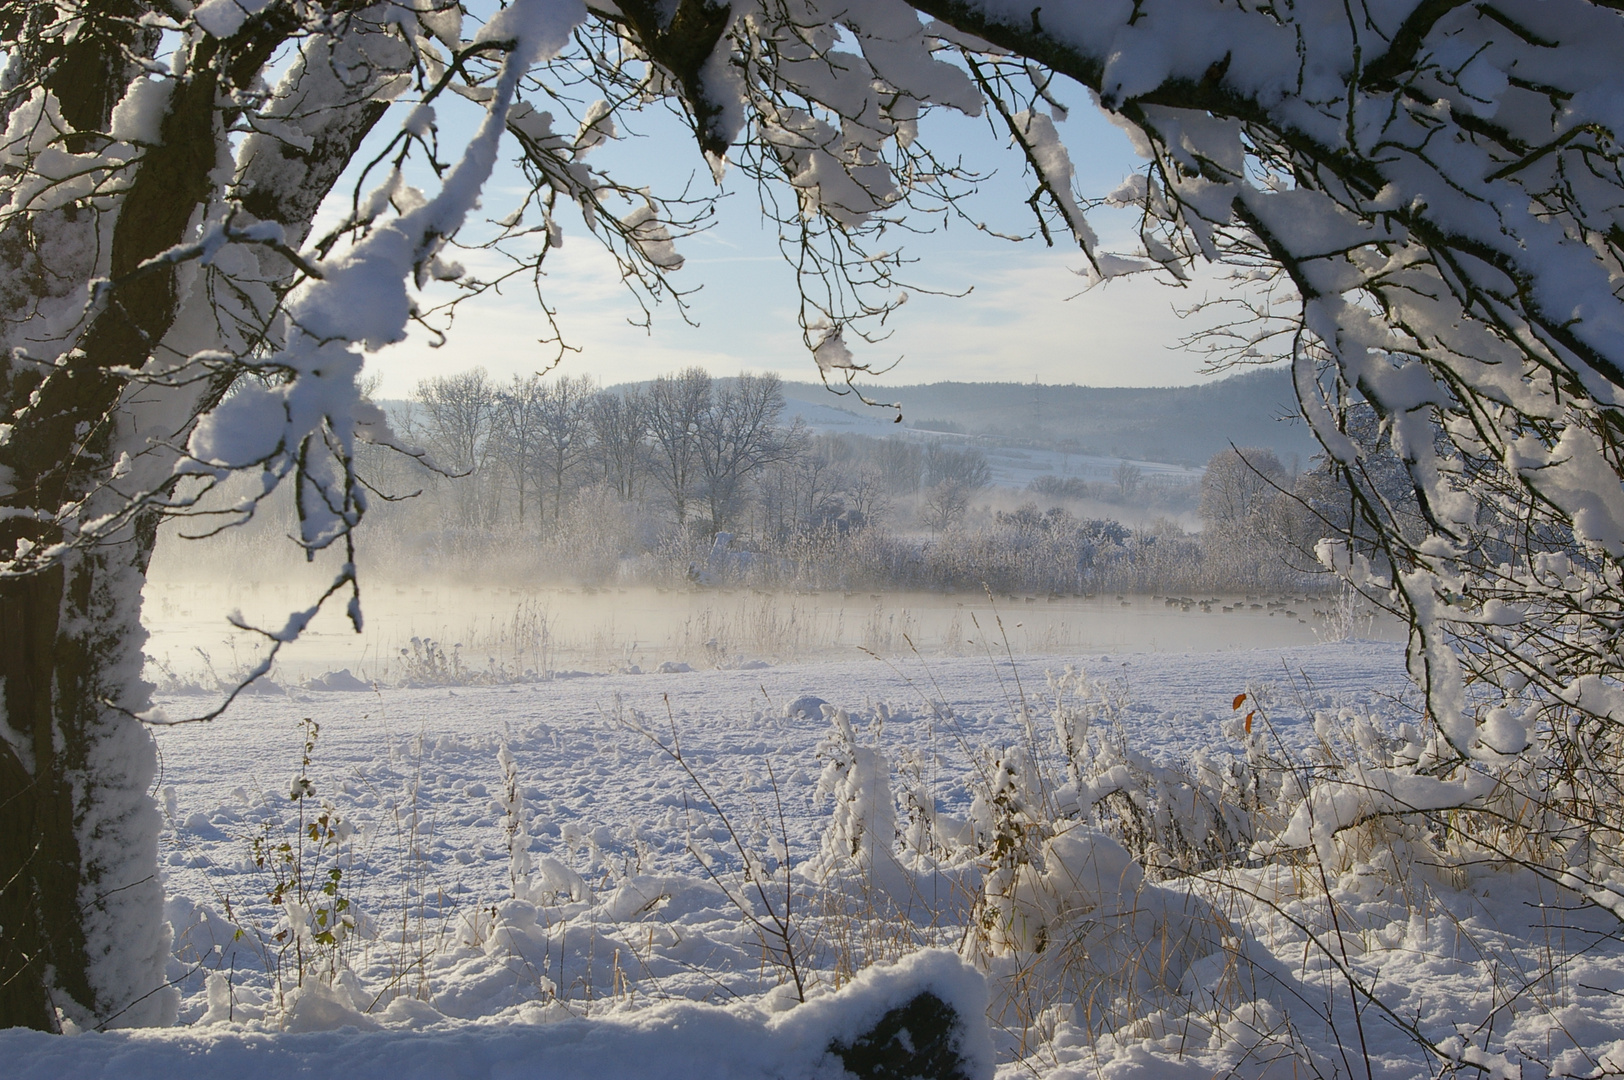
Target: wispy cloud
[{"x": 1026, "y": 314}]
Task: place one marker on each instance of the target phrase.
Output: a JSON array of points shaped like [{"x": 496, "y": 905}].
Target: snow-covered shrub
[
  {"x": 517, "y": 650},
  {"x": 427, "y": 663},
  {"x": 1399, "y": 801},
  {"x": 590, "y": 539},
  {"x": 1141, "y": 886},
  {"x": 1010, "y": 829},
  {"x": 1175, "y": 818},
  {"x": 1038, "y": 887},
  {"x": 857, "y": 780},
  {"x": 1066, "y": 913}
]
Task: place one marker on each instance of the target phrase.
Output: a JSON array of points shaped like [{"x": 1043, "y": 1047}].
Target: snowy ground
[
  {"x": 617, "y": 924},
  {"x": 606, "y": 799}
]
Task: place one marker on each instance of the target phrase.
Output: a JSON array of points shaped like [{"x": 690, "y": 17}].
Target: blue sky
[{"x": 1022, "y": 320}]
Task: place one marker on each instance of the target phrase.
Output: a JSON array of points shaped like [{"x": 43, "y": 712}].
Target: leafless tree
[
  {"x": 739, "y": 435},
  {"x": 953, "y": 477},
  {"x": 902, "y": 463},
  {"x": 944, "y": 504},
  {"x": 1251, "y": 520},
  {"x": 801, "y": 493},
  {"x": 965, "y": 466},
  {"x": 519, "y": 437},
  {"x": 676, "y": 408},
  {"x": 1330, "y": 506},
  {"x": 458, "y": 418},
  {"x": 619, "y": 423},
  {"x": 1241, "y": 491},
  {"x": 867, "y": 492},
  {"x": 1127, "y": 476},
  {"x": 563, "y": 406}
]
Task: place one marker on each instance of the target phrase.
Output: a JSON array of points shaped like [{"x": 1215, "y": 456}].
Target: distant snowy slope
[
  {"x": 824, "y": 412},
  {"x": 1182, "y": 425},
  {"x": 1012, "y": 466}
]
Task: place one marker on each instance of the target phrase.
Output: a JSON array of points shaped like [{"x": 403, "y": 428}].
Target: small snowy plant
[
  {"x": 306, "y": 859},
  {"x": 1010, "y": 830},
  {"x": 427, "y": 663},
  {"x": 532, "y": 880},
  {"x": 515, "y": 824}
]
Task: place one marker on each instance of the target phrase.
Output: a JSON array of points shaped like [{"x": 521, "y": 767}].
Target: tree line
[
  {"x": 692, "y": 452},
  {"x": 558, "y": 478}
]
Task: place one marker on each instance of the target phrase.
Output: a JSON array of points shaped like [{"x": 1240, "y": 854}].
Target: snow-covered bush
[
  {"x": 856, "y": 779},
  {"x": 1089, "y": 871}
]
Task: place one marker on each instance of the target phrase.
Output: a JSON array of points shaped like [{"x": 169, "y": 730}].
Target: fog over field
[{"x": 552, "y": 545}]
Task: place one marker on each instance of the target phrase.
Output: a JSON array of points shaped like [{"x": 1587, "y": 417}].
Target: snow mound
[
  {"x": 319, "y": 1007},
  {"x": 805, "y": 707},
  {"x": 265, "y": 687},
  {"x": 340, "y": 681},
  {"x": 674, "y": 1041}
]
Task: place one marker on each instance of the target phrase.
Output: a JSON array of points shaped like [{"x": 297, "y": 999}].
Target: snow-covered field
[
  {"x": 608, "y": 802},
  {"x": 540, "y": 888}
]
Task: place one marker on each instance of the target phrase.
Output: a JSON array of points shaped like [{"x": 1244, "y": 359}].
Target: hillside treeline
[
  {"x": 1182, "y": 425},
  {"x": 695, "y": 479},
  {"x": 689, "y": 452}
]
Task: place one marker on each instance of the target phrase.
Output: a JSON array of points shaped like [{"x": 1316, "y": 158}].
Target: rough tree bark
[
  {"x": 80, "y": 900},
  {"x": 69, "y": 645}
]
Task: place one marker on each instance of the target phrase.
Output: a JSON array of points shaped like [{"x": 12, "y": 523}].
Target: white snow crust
[{"x": 603, "y": 947}]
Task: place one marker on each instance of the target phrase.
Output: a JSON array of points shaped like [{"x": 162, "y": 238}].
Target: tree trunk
[
  {"x": 82, "y": 934},
  {"x": 81, "y": 927},
  {"x": 39, "y": 856}
]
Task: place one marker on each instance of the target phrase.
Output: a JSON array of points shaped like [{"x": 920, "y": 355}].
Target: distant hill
[
  {"x": 1177, "y": 425},
  {"x": 1181, "y": 425}
]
